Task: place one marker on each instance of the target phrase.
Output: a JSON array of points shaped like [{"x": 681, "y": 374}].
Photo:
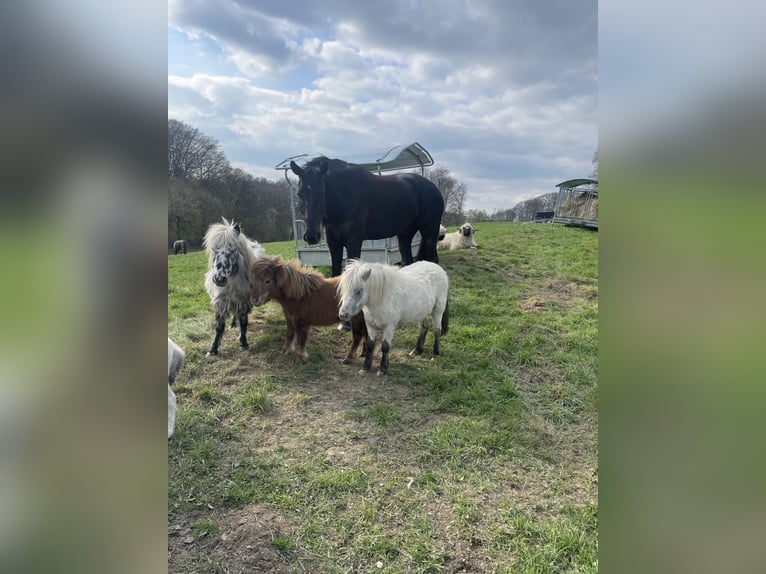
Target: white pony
[
  {"x": 228, "y": 280},
  {"x": 463, "y": 238},
  {"x": 175, "y": 361},
  {"x": 391, "y": 297}
]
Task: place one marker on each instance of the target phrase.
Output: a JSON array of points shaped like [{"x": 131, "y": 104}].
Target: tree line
[{"x": 203, "y": 186}]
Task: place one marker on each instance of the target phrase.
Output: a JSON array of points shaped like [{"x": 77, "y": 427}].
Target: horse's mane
[
  {"x": 225, "y": 235},
  {"x": 334, "y": 164},
  {"x": 295, "y": 280}
]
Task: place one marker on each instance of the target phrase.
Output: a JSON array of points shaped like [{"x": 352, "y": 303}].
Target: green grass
[{"x": 483, "y": 458}]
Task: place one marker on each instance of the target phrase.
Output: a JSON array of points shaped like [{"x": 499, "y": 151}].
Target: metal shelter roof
[
  {"x": 395, "y": 158},
  {"x": 572, "y": 183}
]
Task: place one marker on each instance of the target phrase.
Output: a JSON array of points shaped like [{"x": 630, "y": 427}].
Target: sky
[{"x": 503, "y": 93}]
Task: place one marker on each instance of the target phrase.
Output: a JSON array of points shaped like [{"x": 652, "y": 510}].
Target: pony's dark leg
[
  {"x": 420, "y": 345},
  {"x": 368, "y": 356},
  {"x": 437, "y": 337},
  {"x": 243, "y": 331},
  {"x": 385, "y": 347},
  {"x": 358, "y": 335},
  {"x": 220, "y": 325}
]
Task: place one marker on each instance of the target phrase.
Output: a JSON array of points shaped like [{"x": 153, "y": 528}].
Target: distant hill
[{"x": 526, "y": 210}]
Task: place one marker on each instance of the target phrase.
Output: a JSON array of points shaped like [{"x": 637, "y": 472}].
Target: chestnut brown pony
[{"x": 307, "y": 298}]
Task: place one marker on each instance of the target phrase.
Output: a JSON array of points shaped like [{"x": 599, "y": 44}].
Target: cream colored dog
[{"x": 460, "y": 239}]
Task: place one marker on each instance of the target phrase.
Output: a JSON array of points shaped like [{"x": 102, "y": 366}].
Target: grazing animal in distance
[
  {"x": 176, "y": 359},
  {"x": 227, "y": 281},
  {"x": 179, "y": 246},
  {"x": 463, "y": 238},
  {"x": 390, "y": 297},
  {"x": 353, "y": 205},
  {"x": 307, "y": 298}
]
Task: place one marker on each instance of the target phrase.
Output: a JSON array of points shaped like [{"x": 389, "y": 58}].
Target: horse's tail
[{"x": 445, "y": 319}]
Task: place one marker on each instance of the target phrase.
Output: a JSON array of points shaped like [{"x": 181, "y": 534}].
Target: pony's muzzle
[
  {"x": 311, "y": 238},
  {"x": 219, "y": 281},
  {"x": 344, "y": 315}
]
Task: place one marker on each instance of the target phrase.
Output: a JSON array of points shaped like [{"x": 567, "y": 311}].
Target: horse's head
[
  {"x": 266, "y": 276},
  {"x": 226, "y": 263},
  {"x": 353, "y": 289},
  {"x": 311, "y": 193}
]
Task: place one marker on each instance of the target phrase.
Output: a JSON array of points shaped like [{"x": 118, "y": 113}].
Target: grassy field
[{"x": 481, "y": 460}]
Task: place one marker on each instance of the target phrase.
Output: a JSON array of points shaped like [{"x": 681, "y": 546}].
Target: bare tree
[
  {"x": 454, "y": 191},
  {"x": 192, "y": 155}
]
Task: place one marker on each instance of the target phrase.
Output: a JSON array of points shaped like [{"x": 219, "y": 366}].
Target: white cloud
[{"x": 502, "y": 93}]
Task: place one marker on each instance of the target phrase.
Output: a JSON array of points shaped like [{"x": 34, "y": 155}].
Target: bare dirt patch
[{"x": 557, "y": 293}]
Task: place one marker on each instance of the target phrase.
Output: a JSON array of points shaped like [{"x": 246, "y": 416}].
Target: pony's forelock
[
  {"x": 376, "y": 282},
  {"x": 295, "y": 280},
  {"x": 226, "y": 236}
]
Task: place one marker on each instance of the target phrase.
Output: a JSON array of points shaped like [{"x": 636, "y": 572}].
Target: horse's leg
[
  {"x": 301, "y": 336},
  {"x": 405, "y": 246},
  {"x": 372, "y": 336},
  {"x": 220, "y": 325},
  {"x": 353, "y": 251},
  {"x": 290, "y": 337},
  {"x": 385, "y": 346},
  {"x": 368, "y": 356},
  {"x": 336, "y": 253},
  {"x": 383, "y": 368},
  {"x": 243, "y": 330},
  {"x": 420, "y": 345},
  {"x": 358, "y": 335},
  {"x": 427, "y": 251}
]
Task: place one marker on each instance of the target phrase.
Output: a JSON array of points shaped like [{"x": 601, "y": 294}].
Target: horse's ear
[
  {"x": 323, "y": 167},
  {"x": 296, "y": 169},
  {"x": 236, "y": 228},
  {"x": 366, "y": 272}
]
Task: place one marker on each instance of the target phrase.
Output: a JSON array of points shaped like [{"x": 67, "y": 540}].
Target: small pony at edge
[
  {"x": 228, "y": 280},
  {"x": 307, "y": 298},
  {"x": 391, "y": 297},
  {"x": 176, "y": 358}
]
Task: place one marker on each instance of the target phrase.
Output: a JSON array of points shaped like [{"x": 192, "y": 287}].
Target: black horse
[{"x": 354, "y": 205}]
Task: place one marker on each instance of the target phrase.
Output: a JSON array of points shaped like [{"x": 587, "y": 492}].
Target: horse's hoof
[
  {"x": 211, "y": 353},
  {"x": 345, "y": 361},
  {"x": 380, "y": 373},
  {"x": 362, "y": 372}
]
